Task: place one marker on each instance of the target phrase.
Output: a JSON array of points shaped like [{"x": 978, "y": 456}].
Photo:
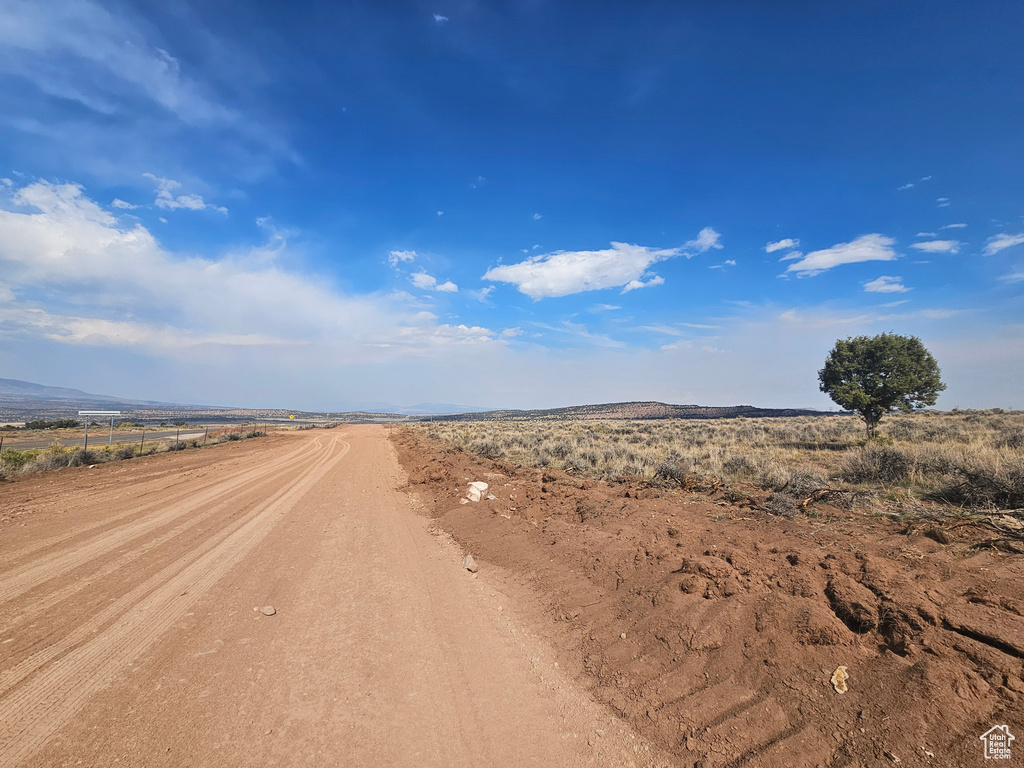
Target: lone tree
[{"x": 875, "y": 375}]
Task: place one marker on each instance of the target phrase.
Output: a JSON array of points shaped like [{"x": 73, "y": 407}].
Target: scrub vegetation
[{"x": 967, "y": 459}]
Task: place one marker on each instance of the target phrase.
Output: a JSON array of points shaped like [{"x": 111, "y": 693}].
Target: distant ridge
[
  {"x": 15, "y": 392},
  {"x": 635, "y": 410}
]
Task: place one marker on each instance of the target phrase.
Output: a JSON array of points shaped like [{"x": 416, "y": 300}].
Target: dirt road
[{"x": 128, "y": 633}]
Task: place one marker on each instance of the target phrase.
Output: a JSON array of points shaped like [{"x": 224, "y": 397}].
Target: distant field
[{"x": 972, "y": 459}]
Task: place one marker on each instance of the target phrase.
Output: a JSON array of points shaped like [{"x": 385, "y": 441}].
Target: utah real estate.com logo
[{"x": 997, "y": 742}]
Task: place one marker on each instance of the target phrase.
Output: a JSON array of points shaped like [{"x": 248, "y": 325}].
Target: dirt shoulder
[{"x": 715, "y": 628}]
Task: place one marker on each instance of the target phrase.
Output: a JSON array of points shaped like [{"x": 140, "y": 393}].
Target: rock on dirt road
[{"x": 127, "y": 633}]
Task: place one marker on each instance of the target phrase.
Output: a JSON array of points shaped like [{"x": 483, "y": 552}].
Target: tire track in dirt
[
  {"x": 22, "y": 579},
  {"x": 45, "y": 691},
  {"x": 160, "y": 483},
  {"x": 40, "y": 605}
]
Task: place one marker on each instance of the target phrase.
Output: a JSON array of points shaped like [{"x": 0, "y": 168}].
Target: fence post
[
  {"x": 143, "y": 444},
  {"x": 110, "y": 440},
  {"x": 206, "y": 435},
  {"x": 86, "y": 448}
]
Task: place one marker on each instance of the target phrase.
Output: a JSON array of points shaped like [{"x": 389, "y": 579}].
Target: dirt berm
[{"x": 715, "y": 628}]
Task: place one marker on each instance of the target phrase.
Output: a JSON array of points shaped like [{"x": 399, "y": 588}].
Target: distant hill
[
  {"x": 30, "y": 396},
  {"x": 634, "y": 410}
]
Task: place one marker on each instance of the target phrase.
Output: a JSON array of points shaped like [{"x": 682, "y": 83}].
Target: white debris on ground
[{"x": 476, "y": 490}]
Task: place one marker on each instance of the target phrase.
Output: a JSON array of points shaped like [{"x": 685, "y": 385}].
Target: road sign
[{"x": 111, "y": 414}]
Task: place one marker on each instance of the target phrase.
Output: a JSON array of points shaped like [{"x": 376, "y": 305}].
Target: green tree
[{"x": 875, "y": 375}]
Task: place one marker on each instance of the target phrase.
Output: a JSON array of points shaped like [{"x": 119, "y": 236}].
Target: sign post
[{"x": 111, "y": 414}]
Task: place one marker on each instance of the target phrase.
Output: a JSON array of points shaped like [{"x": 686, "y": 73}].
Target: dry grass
[
  {"x": 971, "y": 459},
  {"x": 58, "y": 456}
]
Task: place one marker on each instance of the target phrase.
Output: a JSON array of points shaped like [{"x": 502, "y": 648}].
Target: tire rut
[{"x": 43, "y": 692}]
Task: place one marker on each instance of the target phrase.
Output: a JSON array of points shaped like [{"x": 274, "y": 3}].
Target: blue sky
[{"x": 522, "y": 204}]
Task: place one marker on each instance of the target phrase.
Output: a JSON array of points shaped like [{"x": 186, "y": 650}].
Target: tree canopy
[{"x": 875, "y": 375}]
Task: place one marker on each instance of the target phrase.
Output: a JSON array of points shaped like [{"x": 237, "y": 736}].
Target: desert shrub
[
  {"x": 181, "y": 445},
  {"x": 124, "y": 452},
  {"x": 487, "y": 447},
  {"x": 981, "y": 481},
  {"x": 877, "y": 464},
  {"x": 738, "y": 466},
  {"x": 1011, "y": 438},
  {"x": 13, "y": 460},
  {"x": 674, "y": 469}
]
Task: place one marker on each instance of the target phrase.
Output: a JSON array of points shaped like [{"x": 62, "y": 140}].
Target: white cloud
[
  {"x": 938, "y": 246},
  {"x": 511, "y": 333},
  {"x": 886, "y": 284},
  {"x": 398, "y": 257},
  {"x": 782, "y": 245},
  {"x": 165, "y": 197},
  {"x": 480, "y": 294},
  {"x": 792, "y": 256},
  {"x": 566, "y": 272},
  {"x": 6, "y": 183},
  {"x": 953, "y": 226},
  {"x": 119, "y": 203},
  {"x": 1013, "y": 277},
  {"x": 1001, "y": 242},
  {"x": 537, "y": 217},
  {"x": 110, "y": 284},
  {"x": 706, "y": 239},
  {"x": 605, "y": 307},
  {"x": 426, "y": 282},
  {"x": 908, "y": 185},
  {"x": 440, "y": 213},
  {"x": 925, "y": 234},
  {"x": 633, "y": 285},
  {"x": 926, "y": 178},
  {"x": 423, "y": 281},
  {"x": 729, "y": 263},
  {"x": 873, "y": 247},
  {"x": 439, "y": 18},
  {"x": 942, "y": 202}
]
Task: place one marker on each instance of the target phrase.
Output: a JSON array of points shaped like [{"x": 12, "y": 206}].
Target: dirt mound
[{"x": 716, "y": 629}]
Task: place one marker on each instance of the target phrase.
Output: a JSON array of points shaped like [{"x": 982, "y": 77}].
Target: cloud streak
[
  {"x": 624, "y": 266},
  {"x": 873, "y": 247}
]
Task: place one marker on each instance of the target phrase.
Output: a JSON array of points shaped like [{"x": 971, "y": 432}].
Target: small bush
[{"x": 877, "y": 464}]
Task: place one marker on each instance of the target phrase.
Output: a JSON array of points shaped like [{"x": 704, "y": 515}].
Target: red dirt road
[{"x": 128, "y": 633}]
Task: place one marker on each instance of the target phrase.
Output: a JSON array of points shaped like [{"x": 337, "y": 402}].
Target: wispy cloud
[
  {"x": 633, "y": 285},
  {"x": 873, "y": 247},
  {"x": 953, "y": 226},
  {"x": 1001, "y": 242},
  {"x": 706, "y": 239},
  {"x": 400, "y": 257},
  {"x": 942, "y": 202},
  {"x": 938, "y": 246},
  {"x": 926, "y": 234},
  {"x": 108, "y": 284},
  {"x": 625, "y": 266},
  {"x": 166, "y": 199},
  {"x": 439, "y": 18},
  {"x": 537, "y": 216},
  {"x": 908, "y": 185},
  {"x": 122, "y": 204},
  {"x": 426, "y": 282},
  {"x": 886, "y": 284},
  {"x": 1016, "y": 276},
  {"x": 781, "y": 245}
]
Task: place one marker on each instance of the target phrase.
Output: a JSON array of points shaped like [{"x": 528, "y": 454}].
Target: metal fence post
[
  {"x": 86, "y": 448},
  {"x": 143, "y": 444}
]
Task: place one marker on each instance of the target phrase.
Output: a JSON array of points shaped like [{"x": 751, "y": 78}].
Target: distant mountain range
[
  {"x": 25, "y": 397},
  {"x": 14, "y": 391},
  {"x": 26, "y": 394}
]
